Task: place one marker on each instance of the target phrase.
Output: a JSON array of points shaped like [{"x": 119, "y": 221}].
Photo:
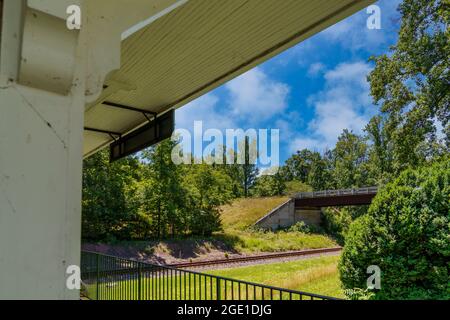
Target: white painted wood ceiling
[{"x": 198, "y": 47}]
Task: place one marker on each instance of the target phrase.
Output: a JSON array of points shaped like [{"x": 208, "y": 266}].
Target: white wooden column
[{"x": 48, "y": 74}]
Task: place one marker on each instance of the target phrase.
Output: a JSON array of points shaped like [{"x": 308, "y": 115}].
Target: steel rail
[{"x": 254, "y": 258}]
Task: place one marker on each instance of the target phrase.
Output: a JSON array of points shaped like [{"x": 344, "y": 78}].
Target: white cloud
[
  {"x": 352, "y": 33},
  {"x": 307, "y": 143},
  {"x": 344, "y": 103},
  {"x": 203, "y": 109},
  {"x": 287, "y": 124},
  {"x": 252, "y": 98},
  {"x": 256, "y": 97},
  {"x": 315, "y": 69}
]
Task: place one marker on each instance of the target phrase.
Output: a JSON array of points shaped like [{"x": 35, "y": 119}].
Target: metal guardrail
[
  {"x": 334, "y": 193},
  {"x": 111, "y": 278}
]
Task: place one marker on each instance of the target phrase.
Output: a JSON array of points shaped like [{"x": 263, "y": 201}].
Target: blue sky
[{"x": 310, "y": 92}]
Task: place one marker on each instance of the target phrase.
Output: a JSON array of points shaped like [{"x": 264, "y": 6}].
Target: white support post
[
  {"x": 48, "y": 74},
  {"x": 40, "y": 192},
  {"x": 41, "y": 133}
]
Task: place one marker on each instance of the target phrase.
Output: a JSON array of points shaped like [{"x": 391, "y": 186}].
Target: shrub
[
  {"x": 205, "y": 222},
  {"x": 359, "y": 294},
  {"x": 337, "y": 223},
  {"x": 295, "y": 186},
  {"x": 406, "y": 232},
  {"x": 302, "y": 227}
]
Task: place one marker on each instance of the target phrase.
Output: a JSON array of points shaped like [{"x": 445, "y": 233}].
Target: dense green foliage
[
  {"x": 109, "y": 197},
  {"x": 208, "y": 188},
  {"x": 269, "y": 185},
  {"x": 412, "y": 85},
  {"x": 163, "y": 199},
  {"x": 406, "y": 230},
  {"x": 151, "y": 197},
  {"x": 406, "y": 233}
]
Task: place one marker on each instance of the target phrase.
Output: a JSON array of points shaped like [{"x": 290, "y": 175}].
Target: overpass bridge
[
  {"x": 307, "y": 206},
  {"x": 335, "y": 198}
]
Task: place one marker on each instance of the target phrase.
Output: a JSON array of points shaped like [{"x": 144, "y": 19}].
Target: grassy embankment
[
  {"x": 237, "y": 237},
  {"x": 238, "y": 217},
  {"x": 318, "y": 275}
]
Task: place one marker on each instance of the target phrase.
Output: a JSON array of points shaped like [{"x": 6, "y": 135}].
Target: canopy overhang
[{"x": 197, "y": 47}]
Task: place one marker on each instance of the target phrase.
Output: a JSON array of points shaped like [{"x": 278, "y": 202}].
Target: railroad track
[
  {"x": 267, "y": 256},
  {"x": 154, "y": 268}
]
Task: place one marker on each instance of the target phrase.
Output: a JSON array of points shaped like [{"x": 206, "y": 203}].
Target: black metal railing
[
  {"x": 112, "y": 278},
  {"x": 334, "y": 193}
]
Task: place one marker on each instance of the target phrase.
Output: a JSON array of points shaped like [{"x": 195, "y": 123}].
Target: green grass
[
  {"x": 243, "y": 213},
  {"x": 237, "y": 236},
  {"x": 252, "y": 241},
  {"x": 238, "y": 218},
  {"x": 315, "y": 275}
]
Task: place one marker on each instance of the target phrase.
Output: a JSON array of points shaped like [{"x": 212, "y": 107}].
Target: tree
[
  {"x": 269, "y": 185},
  {"x": 350, "y": 161},
  {"x": 295, "y": 186},
  {"x": 297, "y": 167},
  {"x": 405, "y": 233},
  {"x": 248, "y": 170},
  {"x": 208, "y": 188},
  {"x": 309, "y": 167},
  {"x": 109, "y": 207},
  {"x": 164, "y": 195},
  {"x": 411, "y": 84},
  {"x": 381, "y": 152},
  {"x": 319, "y": 172},
  {"x": 234, "y": 172}
]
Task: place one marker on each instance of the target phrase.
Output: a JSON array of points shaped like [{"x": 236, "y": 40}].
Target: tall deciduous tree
[
  {"x": 350, "y": 161},
  {"x": 380, "y": 153},
  {"x": 164, "y": 196},
  {"x": 412, "y": 84},
  {"x": 208, "y": 188},
  {"x": 269, "y": 185},
  {"x": 249, "y": 170},
  {"x": 309, "y": 167},
  {"x": 109, "y": 197}
]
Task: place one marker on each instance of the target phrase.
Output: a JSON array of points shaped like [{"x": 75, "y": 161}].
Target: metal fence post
[
  {"x": 218, "y": 289},
  {"x": 98, "y": 277},
  {"x": 139, "y": 280}
]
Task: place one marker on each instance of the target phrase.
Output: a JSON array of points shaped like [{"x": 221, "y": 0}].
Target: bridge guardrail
[{"x": 333, "y": 193}]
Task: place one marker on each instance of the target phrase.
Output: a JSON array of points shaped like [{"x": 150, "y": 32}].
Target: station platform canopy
[{"x": 197, "y": 47}]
